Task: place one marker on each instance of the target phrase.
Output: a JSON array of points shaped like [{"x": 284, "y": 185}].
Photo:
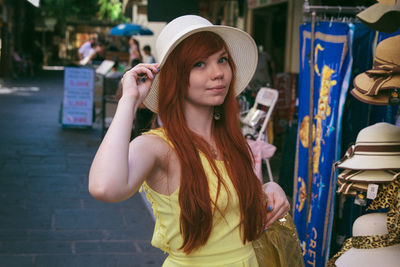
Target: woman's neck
[{"x": 200, "y": 121}]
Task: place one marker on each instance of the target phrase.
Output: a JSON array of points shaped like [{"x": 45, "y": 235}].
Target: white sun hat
[
  {"x": 372, "y": 224},
  {"x": 240, "y": 44},
  {"x": 377, "y": 148}
]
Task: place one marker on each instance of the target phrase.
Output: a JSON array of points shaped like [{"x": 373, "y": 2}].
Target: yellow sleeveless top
[{"x": 224, "y": 246}]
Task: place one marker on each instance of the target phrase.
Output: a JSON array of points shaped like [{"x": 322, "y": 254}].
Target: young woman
[{"x": 197, "y": 168}]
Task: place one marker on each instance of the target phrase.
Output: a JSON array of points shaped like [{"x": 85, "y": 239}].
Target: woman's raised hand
[{"x": 137, "y": 81}]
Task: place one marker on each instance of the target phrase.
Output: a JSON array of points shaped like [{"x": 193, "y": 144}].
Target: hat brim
[
  {"x": 368, "y": 162},
  {"x": 365, "y": 84},
  {"x": 370, "y": 257},
  {"x": 381, "y": 17},
  {"x": 382, "y": 99},
  {"x": 241, "y": 47},
  {"x": 368, "y": 176}
]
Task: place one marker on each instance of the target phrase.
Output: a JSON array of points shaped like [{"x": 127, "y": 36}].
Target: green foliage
[
  {"x": 110, "y": 10},
  {"x": 63, "y": 9}
]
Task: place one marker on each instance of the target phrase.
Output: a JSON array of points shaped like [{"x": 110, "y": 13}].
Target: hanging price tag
[{"x": 372, "y": 191}]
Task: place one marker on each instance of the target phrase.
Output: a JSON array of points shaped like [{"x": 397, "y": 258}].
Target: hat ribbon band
[
  {"x": 371, "y": 150},
  {"x": 350, "y": 187},
  {"x": 382, "y": 71},
  {"x": 378, "y": 148}
]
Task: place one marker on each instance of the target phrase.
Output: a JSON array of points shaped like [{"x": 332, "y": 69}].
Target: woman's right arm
[{"x": 113, "y": 175}]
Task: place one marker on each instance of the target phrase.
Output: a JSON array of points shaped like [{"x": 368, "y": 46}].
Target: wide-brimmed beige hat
[
  {"x": 383, "y": 16},
  {"x": 377, "y": 148},
  {"x": 240, "y": 44},
  {"x": 384, "y": 98},
  {"x": 377, "y": 85}
]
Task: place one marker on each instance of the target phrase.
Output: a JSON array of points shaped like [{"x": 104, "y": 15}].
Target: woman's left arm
[{"x": 277, "y": 204}]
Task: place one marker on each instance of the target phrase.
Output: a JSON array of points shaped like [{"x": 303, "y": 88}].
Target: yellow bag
[{"x": 279, "y": 246}]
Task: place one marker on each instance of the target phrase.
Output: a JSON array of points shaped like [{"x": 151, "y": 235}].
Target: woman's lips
[{"x": 217, "y": 88}]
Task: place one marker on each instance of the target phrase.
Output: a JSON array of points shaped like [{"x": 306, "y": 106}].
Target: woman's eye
[
  {"x": 223, "y": 60},
  {"x": 199, "y": 64}
]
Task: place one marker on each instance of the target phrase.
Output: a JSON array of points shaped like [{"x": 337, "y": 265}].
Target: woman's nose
[{"x": 216, "y": 71}]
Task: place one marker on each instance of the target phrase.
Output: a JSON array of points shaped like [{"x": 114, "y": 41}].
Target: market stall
[{"x": 334, "y": 48}]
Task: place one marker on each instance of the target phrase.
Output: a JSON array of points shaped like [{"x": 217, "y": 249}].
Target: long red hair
[{"x": 196, "y": 218}]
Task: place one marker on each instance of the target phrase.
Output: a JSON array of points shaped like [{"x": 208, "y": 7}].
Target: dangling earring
[{"x": 217, "y": 113}]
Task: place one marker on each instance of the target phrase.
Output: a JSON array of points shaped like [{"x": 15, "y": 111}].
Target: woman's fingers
[
  {"x": 270, "y": 198},
  {"x": 277, "y": 204},
  {"x": 137, "y": 81},
  {"x": 140, "y": 71},
  {"x": 143, "y": 72},
  {"x": 281, "y": 209}
]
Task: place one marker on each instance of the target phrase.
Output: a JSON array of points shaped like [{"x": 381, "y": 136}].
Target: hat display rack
[
  {"x": 360, "y": 183},
  {"x": 363, "y": 179},
  {"x": 371, "y": 167},
  {"x": 371, "y": 173}
]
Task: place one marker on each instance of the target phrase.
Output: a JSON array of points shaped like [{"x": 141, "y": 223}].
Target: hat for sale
[
  {"x": 368, "y": 176},
  {"x": 377, "y": 148},
  {"x": 383, "y": 16},
  {"x": 384, "y": 98},
  {"x": 349, "y": 188},
  {"x": 351, "y": 182},
  {"x": 240, "y": 44},
  {"x": 376, "y": 236},
  {"x": 381, "y": 84},
  {"x": 370, "y": 226}
]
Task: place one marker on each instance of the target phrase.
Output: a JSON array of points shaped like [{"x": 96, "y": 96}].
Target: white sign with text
[{"x": 78, "y": 96}]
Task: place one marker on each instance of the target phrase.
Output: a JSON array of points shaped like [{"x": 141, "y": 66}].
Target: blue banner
[{"x": 332, "y": 68}]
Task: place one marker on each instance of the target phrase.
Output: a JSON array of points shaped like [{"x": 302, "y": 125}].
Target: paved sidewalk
[{"x": 47, "y": 217}]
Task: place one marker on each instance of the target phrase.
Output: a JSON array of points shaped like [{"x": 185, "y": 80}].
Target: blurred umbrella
[{"x": 128, "y": 29}]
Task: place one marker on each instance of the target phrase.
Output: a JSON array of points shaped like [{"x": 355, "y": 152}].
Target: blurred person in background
[
  {"x": 99, "y": 52},
  {"x": 114, "y": 72},
  {"x": 148, "y": 58},
  {"x": 134, "y": 50},
  {"x": 87, "y": 48}
]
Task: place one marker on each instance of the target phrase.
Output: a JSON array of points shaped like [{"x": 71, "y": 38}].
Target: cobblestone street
[{"x": 47, "y": 217}]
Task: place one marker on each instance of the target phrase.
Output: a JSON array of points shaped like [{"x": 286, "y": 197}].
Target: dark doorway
[{"x": 270, "y": 32}]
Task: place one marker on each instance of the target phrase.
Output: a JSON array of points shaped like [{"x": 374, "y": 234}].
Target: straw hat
[
  {"x": 370, "y": 225},
  {"x": 377, "y": 148},
  {"x": 352, "y": 182},
  {"x": 377, "y": 85},
  {"x": 383, "y": 16},
  {"x": 382, "y": 99},
  {"x": 240, "y": 44},
  {"x": 368, "y": 176}
]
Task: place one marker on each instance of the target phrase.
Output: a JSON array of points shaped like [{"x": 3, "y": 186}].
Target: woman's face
[{"x": 209, "y": 80}]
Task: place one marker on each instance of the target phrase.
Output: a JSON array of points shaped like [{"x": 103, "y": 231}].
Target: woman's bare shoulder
[
  {"x": 162, "y": 171},
  {"x": 150, "y": 144}
]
